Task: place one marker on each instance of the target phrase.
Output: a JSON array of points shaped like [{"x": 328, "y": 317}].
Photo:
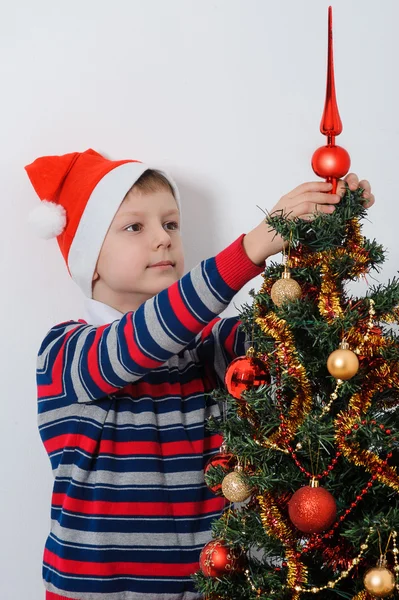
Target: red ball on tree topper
[
  {"x": 245, "y": 373},
  {"x": 217, "y": 559},
  {"x": 312, "y": 509},
  {"x": 331, "y": 162}
]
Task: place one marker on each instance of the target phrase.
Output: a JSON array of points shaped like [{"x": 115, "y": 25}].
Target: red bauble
[
  {"x": 226, "y": 461},
  {"x": 217, "y": 559},
  {"x": 331, "y": 161},
  {"x": 245, "y": 373},
  {"x": 312, "y": 509}
]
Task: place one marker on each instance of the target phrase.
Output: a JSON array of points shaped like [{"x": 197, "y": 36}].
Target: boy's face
[{"x": 145, "y": 231}]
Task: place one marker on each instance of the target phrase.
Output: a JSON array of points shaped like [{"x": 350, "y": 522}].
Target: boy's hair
[{"x": 152, "y": 181}]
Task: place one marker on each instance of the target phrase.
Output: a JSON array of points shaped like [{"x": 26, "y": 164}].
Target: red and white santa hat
[{"x": 80, "y": 194}]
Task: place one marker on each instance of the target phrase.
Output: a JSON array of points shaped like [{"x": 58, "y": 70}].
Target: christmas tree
[{"x": 310, "y": 421}]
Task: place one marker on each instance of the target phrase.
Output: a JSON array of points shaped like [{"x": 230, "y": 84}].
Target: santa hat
[{"x": 80, "y": 194}]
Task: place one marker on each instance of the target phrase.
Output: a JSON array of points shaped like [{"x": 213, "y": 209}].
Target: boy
[{"x": 121, "y": 393}]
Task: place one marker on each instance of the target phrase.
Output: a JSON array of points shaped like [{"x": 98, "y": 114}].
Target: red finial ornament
[{"x": 331, "y": 162}]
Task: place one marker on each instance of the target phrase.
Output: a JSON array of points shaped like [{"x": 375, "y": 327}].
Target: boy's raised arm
[{"x": 82, "y": 363}]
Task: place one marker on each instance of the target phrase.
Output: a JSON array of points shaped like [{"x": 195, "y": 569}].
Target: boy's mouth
[{"x": 163, "y": 263}]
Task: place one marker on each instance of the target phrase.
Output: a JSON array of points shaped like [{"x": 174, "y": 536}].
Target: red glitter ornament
[
  {"x": 312, "y": 509},
  {"x": 245, "y": 373},
  {"x": 218, "y": 559},
  {"x": 225, "y": 460}
]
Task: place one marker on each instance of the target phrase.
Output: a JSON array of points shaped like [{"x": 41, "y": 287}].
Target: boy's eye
[
  {"x": 173, "y": 225},
  {"x": 135, "y": 227}
]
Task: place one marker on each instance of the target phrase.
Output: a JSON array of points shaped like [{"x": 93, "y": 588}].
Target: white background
[{"x": 225, "y": 94}]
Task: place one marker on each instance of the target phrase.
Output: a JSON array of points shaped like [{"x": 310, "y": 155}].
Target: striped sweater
[{"x": 122, "y": 409}]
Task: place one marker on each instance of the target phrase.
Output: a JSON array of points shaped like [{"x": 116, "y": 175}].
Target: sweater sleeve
[
  {"x": 220, "y": 342},
  {"x": 78, "y": 362}
]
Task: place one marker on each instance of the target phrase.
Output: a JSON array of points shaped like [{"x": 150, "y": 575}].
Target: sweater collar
[{"x": 97, "y": 313}]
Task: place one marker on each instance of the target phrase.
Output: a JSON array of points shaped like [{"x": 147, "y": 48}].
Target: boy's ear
[{"x": 95, "y": 276}]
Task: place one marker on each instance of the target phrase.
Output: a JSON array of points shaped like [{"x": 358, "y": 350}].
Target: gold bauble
[
  {"x": 379, "y": 581},
  {"x": 234, "y": 487},
  {"x": 343, "y": 363},
  {"x": 285, "y": 289}
]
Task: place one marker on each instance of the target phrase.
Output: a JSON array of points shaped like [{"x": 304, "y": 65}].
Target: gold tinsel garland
[
  {"x": 275, "y": 525},
  {"x": 370, "y": 347},
  {"x": 371, "y": 462},
  {"x": 301, "y": 404},
  {"x": 392, "y": 316},
  {"x": 329, "y": 300},
  {"x": 366, "y": 338},
  {"x": 382, "y": 375}
]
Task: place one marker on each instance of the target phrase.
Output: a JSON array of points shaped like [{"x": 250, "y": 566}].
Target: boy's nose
[{"x": 162, "y": 238}]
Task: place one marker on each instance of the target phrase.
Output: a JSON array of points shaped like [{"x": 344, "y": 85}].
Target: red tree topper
[{"x": 331, "y": 162}]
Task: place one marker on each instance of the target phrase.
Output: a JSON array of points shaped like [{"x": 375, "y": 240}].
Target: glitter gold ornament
[
  {"x": 234, "y": 487},
  {"x": 343, "y": 363},
  {"x": 285, "y": 289},
  {"x": 379, "y": 581}
]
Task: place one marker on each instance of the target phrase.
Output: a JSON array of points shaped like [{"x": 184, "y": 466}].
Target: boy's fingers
[
  {"x": 310, "y": 186},
  {"x": 308, "y": 208},
  {"x": 354, "y": 183},
  {"x": 312, "y": 198},
  {"x": 341, "y": 188},
  {"x": 366, "y": 186},
  {"x": 352, "y": 180},
  {"x": 368, "y": 201}
]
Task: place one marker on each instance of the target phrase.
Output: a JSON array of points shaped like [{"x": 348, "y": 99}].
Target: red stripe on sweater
[
  {"x": 51, "y": 596},
  {"x": 93, "y": 362},
  {"x": 130, "y": 448},
  {"x": 134, "y": 351},
  {"x": 138, "y": 509},
  {"x": 208, "y": 329},
  {"x": 159, "y": 390},
  {"x": 183, "y": 314},
  {"x": 135, "y": 354},
  {"x": 234, "y": 265},
  {"x": 119, "y": 568},
  {"x": 229, "y": 342},
  {"x": 55, "y": 388}
]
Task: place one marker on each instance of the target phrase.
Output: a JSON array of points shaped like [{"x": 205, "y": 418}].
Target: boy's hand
[
  {"x": 304, "y": 202},
  {"x": 310, "y": 198}
]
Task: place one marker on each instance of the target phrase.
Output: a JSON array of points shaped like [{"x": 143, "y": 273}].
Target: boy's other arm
[{"x": 218, "y": 344}]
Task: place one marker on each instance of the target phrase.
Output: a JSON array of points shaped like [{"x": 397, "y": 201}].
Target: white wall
[{"x": 228, "y": 95}]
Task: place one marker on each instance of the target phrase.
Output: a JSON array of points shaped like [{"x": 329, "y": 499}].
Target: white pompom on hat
[
  {"x": 80, "y": 194},
  {"x": 48, "y": 219}
]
